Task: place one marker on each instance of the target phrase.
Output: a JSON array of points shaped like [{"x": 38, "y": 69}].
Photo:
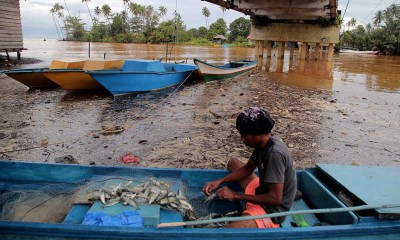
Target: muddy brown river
[{"x": 345, "y": 111}]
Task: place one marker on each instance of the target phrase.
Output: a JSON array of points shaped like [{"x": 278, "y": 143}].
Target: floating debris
[
  {"x": 129, "y": 158},
  {"x": 109, "y": 130}
]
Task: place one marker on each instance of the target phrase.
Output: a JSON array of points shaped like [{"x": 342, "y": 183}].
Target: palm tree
[
  {"x": 378, "y": 18},
  {"x": 126, "y": 13},
  {"x": 57, "y": 9},
  {"x": 126, "y": 4},
  {"x": 352, "y": 22},
  {"x": 163, "y": 11},
  {"x": 97, "y": 11},
  {"x": 86, "y": 1},
  {"x": 106, "y": 11},
  {"x": 368, "y": 27},
  {"x": 223, "y": 9},
  {"x": 206, "y": 14}
]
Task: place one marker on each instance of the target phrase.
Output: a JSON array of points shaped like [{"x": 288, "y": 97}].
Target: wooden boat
[
  {"x": 35, "y": 77},
  {"x": 78, "y": 79},
  {"x": 212, "y": 72},
  {"x": 139, "y": 75},
  {"x": 356, "y": 51},
  {"x": 58, "y": 214}
]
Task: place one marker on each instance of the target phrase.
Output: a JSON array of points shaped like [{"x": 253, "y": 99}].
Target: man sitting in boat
[{"x": 275, "y": 188}]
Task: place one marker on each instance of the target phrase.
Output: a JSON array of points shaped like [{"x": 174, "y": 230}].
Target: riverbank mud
[{"x": 191, "y": 127}]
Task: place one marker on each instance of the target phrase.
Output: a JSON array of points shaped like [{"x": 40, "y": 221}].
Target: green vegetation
[
  {"x": 382, "y": 36},
  {"x": 144, "y": 24}
]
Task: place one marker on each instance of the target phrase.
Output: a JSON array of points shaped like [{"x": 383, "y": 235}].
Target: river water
[{"x": 361, "y": 125}]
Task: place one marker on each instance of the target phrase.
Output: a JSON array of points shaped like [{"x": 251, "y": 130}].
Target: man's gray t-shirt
[{"x": 275, "y": 165}]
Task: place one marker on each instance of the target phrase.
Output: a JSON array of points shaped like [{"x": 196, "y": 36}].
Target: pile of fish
[{"x": 149, "y": 192}]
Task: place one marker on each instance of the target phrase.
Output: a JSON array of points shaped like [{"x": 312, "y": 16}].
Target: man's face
[{"x": 249, "y": 140}]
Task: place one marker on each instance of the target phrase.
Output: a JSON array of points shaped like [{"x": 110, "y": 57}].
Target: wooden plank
[
  {"x": 15, "y": 2},
  {"x": 9, "y": 9},
  {"x": 8, "y": 38},
  {"x": 10, "y": 31},
  {"x": 3, "y": 43},
  {"x": 11, "y": 20},
  {"x": 9, "y": 25},
  {"x": 11, "y": 45},
  {"x": 7, "y": 15},
  {"x": 10, "y": 34},
  {"x": 374, "y": 185},
  {"x": 11, "y": 5},
  {"x": 12, "y": 48}
]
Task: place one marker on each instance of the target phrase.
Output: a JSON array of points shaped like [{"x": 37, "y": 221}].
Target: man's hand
[
  {"x": 226, "y": 193},
  {"x": 210, "y": 186}
]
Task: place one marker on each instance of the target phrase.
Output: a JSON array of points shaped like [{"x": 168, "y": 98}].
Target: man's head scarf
[{"x": 254, "y": 121}]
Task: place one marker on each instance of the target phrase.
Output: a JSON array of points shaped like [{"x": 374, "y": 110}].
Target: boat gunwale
[
  {"x": 88, "y": 231},
  {"x": 249, "y": 63},
  {"x": 137, "y": 72}
]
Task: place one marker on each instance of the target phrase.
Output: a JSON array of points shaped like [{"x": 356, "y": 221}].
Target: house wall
[{"x": 10, "y": 26}]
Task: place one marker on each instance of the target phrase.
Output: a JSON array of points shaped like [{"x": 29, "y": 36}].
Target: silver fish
[
  {"x": 211, "y": 197},
  {"x": 102, "y": 196}
]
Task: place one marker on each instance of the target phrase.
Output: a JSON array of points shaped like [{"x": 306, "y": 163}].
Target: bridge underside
[{"x": 306, "y": 22}]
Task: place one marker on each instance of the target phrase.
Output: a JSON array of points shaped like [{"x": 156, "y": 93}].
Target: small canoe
[
  {"x": 212, "y": 72},
  {"x": 78, "y": 79},
  {"x": 35, "y": 77},
  {"x": 351, "y": 51},
  {"x": 139, "y": 75},
  {"x": 52, "y": 201}
]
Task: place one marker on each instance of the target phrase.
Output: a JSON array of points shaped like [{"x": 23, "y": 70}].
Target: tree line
[
  {"x": 144, "y": 24},
  {"x": 382, "y": 35}
]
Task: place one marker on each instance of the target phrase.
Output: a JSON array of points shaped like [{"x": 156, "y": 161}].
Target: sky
[{"x": 38, "y": 23}]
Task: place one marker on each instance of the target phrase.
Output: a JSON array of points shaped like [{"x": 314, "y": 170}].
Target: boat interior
[{"x": 319, "y": 187}]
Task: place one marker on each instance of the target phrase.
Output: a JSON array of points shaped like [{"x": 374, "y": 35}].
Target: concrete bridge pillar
[
  {"x": 295, "y": 32},
  {"x": 303, "y": 50},
  {"x": 269, "y": 46},
  {"x": 292, "y": 46},
  {"x": 317, "y": 50},
  {"x": 330, "y": 52},
  {"x": 281, "y": 50},
  {"x": 259, "y": 45},
  {"x": 307, "y": 47}
]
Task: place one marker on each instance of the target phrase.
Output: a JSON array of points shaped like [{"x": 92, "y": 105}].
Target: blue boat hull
[
  {"x": 128, "y": 83},
  {"x": 142, "y": 76},
  {"x": 345, "y": 225}
]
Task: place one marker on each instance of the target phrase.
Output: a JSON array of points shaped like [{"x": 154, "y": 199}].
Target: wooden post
[
  {"x": 307, "y": 50},
  {"x": 260, "y": 54},
  {"x": 8, "y": 55},
  {"x": 330, "y": 52},
  {"x": 256, "y": 46},
  {"x": 18, "y": 55},
  {"x": 292, "y": 45},
  {"x": 317, "y": 50}
]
